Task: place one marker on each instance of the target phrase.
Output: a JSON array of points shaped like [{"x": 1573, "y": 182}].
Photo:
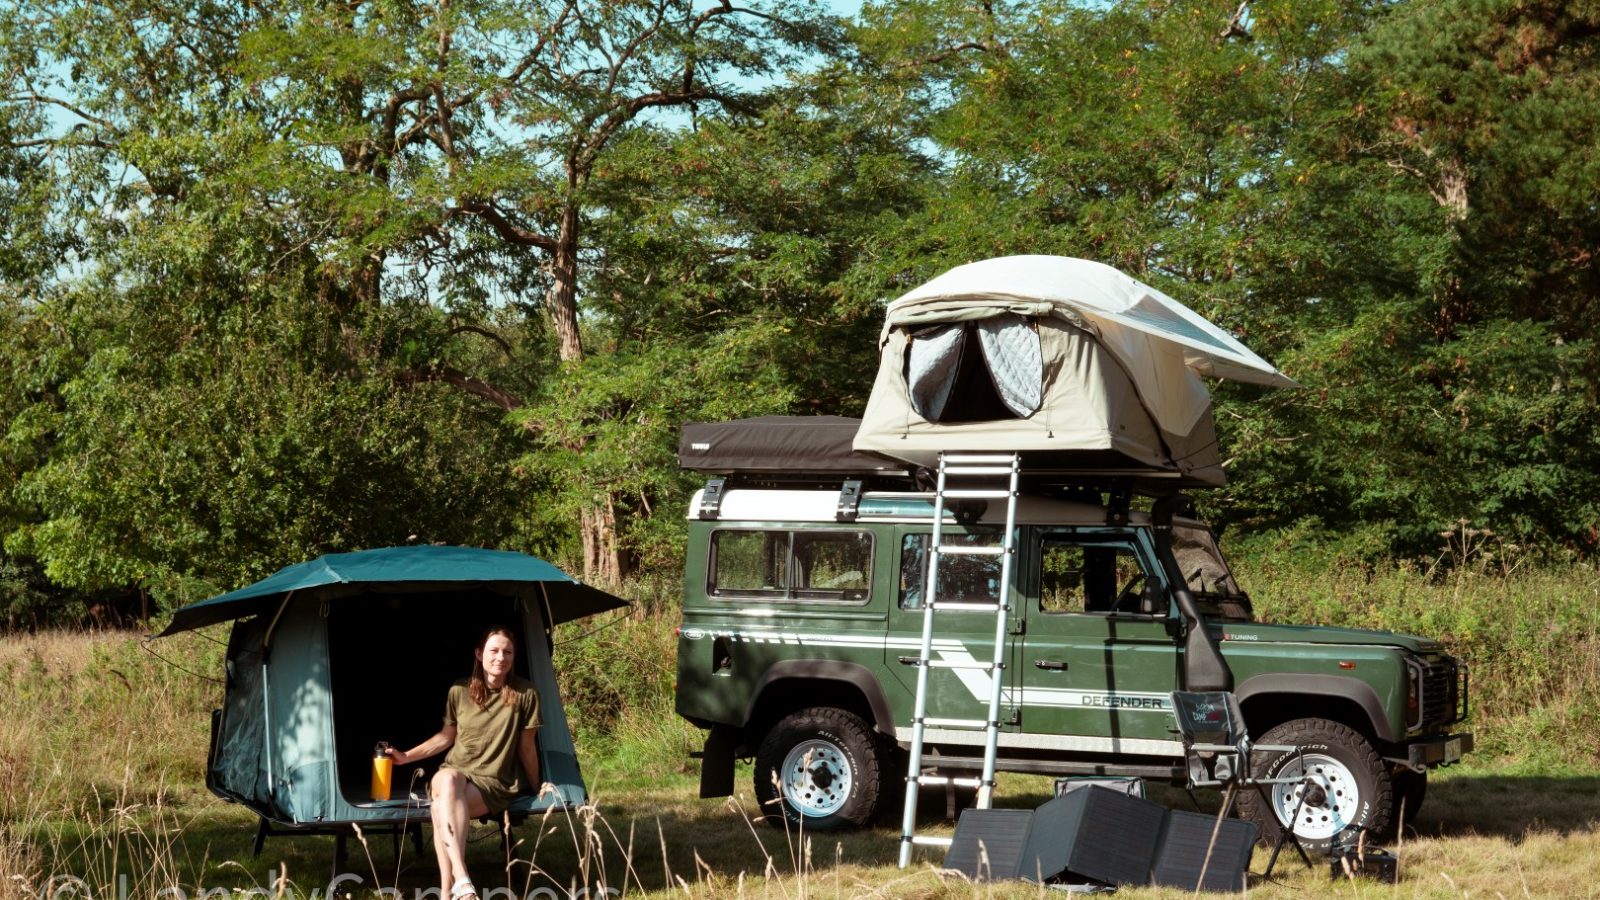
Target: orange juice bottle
[{"x": 382, "y": 771}]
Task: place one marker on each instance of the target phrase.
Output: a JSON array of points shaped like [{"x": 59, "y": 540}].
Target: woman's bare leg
[
  {"x": 455, "y": 803},
  {"x": 440, "y": 832}
]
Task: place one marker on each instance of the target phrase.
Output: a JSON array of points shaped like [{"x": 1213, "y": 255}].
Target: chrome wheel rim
[
  {"x": 817, "y": 778},
  {"x": 1340, "y": 802}
]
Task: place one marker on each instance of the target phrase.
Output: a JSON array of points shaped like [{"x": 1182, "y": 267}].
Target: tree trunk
[
  {"x": 562, "y": 299},
  {"x": 605, "y": 562}
]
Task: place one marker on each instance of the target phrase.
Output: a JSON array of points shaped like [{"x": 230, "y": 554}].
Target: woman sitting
[{"x": 491, "y": 721}]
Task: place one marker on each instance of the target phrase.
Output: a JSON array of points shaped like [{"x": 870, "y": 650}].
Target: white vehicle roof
[{"x": 785, "y": 506}]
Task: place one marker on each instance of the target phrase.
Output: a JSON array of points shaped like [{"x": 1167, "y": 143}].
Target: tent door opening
[
  {"x": 976, "y": 371},
  {"x": 391, "y": 662}
]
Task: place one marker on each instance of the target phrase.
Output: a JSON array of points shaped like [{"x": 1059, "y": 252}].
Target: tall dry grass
[
  {"x": 21, "y": 865},
  {"x": 86, "y": 714},
  {"x": 102, "y": 748},
  {"x": 1531, "y": 637},
  {"x": 617, "y": 675},
  {"x": 96, "y": 735}
]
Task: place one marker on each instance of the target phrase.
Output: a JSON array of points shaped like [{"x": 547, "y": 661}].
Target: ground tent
[
  {"x": 1069, "y": 361},
  {"x": 328, "y": 657}
]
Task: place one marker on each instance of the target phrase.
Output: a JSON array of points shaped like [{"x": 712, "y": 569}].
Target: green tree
[
  {"x": 397, "y": 192},
  {"x": 1394, "y": 202},
  {"x": 1453, "y": 363},
  {"x": 720, "y": 290},
  {"x": 1490, "y": 108}
]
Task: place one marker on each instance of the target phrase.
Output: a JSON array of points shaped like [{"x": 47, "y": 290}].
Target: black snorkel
[{"x": 1204, "y": 669}]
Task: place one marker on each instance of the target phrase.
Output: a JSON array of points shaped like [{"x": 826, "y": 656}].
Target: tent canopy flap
[
  {"x": 427, "y": 567},
  {"x": 933, "y": 359},
  {"x": 1011, "y": 349}
]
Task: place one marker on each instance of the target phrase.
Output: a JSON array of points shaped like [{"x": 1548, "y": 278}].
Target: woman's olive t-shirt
[{"x": 485, "y": 750}]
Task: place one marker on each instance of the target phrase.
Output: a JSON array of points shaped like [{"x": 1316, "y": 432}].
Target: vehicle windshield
[{"x": 1207, "y": 573}]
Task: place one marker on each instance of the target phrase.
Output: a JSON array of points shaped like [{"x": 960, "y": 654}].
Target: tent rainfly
[
  {"x": 1068, "y": 361},
  {"x": 328, "y": 657}
]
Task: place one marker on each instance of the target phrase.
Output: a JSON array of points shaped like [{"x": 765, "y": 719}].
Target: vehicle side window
[
  {"x": 1201, "y": 563},
  {"x": 1061, "y": 578},
  {"x": 1093, "y": 577},
  {"x": 962, "y": 579},
  {"x": 748, "y": 562},
  {"x": 791, "y": 565},
  {"x": 832, "y": 565}
]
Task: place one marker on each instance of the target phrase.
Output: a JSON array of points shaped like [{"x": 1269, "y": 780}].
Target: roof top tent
[
  {"x": 1070, "y": 362},
  {"x": 328, "y": 657}
]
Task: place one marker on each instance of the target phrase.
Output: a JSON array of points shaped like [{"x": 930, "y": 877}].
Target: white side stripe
[
  {"x": 1080, "y": 743},
  {"x": 976, "y": 682}
]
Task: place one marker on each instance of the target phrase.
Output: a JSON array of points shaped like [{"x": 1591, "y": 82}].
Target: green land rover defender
[{"x": 802, "y": 616}]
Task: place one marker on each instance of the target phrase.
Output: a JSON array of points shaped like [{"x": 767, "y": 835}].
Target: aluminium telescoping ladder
[{"x": 980, "y": 476}]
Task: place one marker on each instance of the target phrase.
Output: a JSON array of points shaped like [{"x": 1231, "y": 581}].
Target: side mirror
[{"x": 1151, "y": 600}]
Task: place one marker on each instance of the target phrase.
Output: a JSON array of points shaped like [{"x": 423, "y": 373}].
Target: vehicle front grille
[{"x": 1439, "y": 687}]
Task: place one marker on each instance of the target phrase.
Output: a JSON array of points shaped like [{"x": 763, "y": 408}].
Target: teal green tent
[{"x": 328, "y": 657}]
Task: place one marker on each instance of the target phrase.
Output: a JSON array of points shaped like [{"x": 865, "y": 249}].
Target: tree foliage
[
  {"x": 282, "y": 277},
  {"x": 319, "y": 250},
  {"x": 1390, "y": 201},
  {"x": 1457, "y": 380}
]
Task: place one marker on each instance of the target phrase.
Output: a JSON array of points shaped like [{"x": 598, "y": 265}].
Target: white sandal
[{"x": 462, "y": 889}]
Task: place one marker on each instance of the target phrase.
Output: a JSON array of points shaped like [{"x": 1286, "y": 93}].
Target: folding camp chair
[{"x": 1217, "y": 748}]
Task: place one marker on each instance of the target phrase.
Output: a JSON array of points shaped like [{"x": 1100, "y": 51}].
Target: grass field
[{"x": 102, "y": 746}]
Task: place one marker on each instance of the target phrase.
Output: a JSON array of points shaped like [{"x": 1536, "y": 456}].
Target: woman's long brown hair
[{"x": 478, "y": 686}]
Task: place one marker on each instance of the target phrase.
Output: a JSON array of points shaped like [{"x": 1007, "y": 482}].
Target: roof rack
[
  {"x": 1114, "y": 494},
  {"x": 801, "y": 452},
  {"x": 851, "y": 487}
]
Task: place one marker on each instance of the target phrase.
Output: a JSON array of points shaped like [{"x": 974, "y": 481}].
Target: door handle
[{"x": 1054, "y": 665}]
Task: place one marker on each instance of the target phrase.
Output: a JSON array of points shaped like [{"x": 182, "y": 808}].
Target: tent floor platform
[
  {"x": 341, "y": 833},
  {"x": 397, "y": 831}
]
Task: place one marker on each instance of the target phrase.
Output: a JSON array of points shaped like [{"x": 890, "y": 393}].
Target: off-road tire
[
  {"x": 1360, "y": 793},
  {"x": 1410, "y": 789},
  {"x": 839, "y": 785}
]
